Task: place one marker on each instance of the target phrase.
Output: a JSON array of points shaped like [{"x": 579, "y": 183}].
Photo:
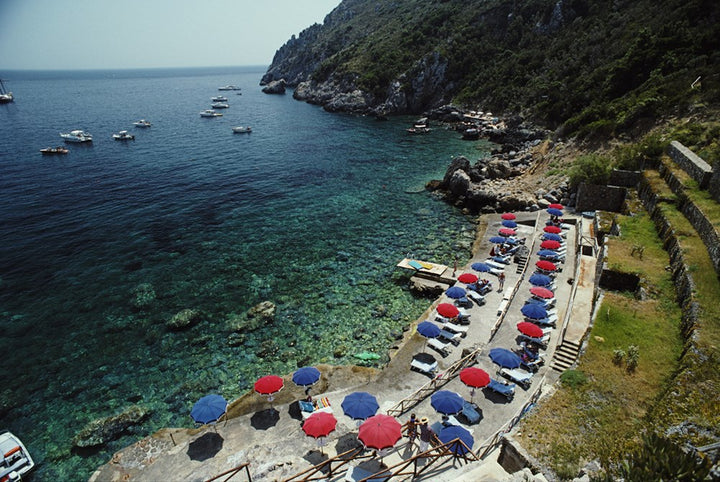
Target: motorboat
[
  {"x": 123, "y": 136},
  {"x": 229, "y": 87},
  {"x": 5, "y": 96},
  {"x": 54, "y": 150},
  {"x": 219, "y": 98},
  {"x": 242, "y": 129},
  {"x": 142, "y": 123},
  {"x": 220, "y": 105},
  {"x": 76, "y": 136},
  {"x": 471, "y": 134},
  {"x": 17, "y": 461},
  {"x": 210, "y": 113}
]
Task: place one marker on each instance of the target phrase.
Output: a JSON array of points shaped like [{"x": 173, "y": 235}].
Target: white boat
[
  {"x": 76, "y": 136},
  {"x": 229, "y": 87},
  {"x": 219, "y": 98},
  {"x": 123, "y": 136},
  {"x": 5, "y": 96},
  {"x": 16, "y": 459},
  {"x": 219, "y": 105},
  {"x": 142, "y": 123},
  {"x": 210, "y": 113},
  {"x": 242, "y": 129},
  {"x": 54, "y": 150}
]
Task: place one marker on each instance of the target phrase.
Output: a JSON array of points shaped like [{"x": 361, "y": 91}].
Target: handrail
[
  {"x": 342, "y": 459},
  {"x": 233, "y": 472}
]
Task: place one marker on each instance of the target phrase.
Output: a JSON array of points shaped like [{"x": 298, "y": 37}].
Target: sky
[{"x": 116, "y": 34}]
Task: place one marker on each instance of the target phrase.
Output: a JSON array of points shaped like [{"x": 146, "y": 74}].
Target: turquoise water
[{"x": 312, "y": 211}]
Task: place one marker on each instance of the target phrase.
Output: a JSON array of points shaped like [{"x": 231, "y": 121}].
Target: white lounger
[
  {"x": 427, "y": 368},
  {"x": 521, "y": 377},
  {"x": 455, "y": 328},
  {"x": 453, "y": 338},
  {"x": 476, "y": 297},
  {"x": 495, "y": 264},
  {"x": 439, "y": 346}
]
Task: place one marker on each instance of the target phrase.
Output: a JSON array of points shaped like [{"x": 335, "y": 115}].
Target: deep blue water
[{"x": 311, "y": 211}]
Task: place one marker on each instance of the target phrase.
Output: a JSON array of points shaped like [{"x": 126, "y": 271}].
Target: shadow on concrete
[
  {"x": 264, "y": 419},
  {"x": 347, "y": 442},
  {"x": 205, "y": 447},
  {"x": 315, "y": 457},
  {"x": 294, "y": 411}
]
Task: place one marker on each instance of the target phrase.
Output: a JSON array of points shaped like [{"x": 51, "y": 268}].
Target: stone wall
[
  {"x": 714, "y": 186},
  {"x": 621, "y": 178},
  {"x": 618, "y": 281},
  {"x": 591, "y": 197},
  {"x": 691, "y": 163}
]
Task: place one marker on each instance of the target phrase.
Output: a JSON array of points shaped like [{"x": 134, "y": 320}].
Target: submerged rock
[
  {"x": 143, "y": 296},
  {"x": 102, "y": 430},
  {"x": 183, "y": 319},
  {"x": 259, "y": 315}
]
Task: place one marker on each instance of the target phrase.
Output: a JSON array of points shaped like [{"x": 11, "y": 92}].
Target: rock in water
[
  {"x": 183, "y": 319},
  {"x": 275, "y": 87},
  {"x": 102, "y": 430},
  {"x": 261, "y": 314}
]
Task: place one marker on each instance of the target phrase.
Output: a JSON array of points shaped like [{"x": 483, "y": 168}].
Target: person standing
[
  {"x": 501, "y": 281},
  {"x": 412, "y": 429},
  {"x": 426, "y": 434}
]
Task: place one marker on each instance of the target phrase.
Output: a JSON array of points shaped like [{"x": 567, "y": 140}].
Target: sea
[{"x": 102, "y": 247}]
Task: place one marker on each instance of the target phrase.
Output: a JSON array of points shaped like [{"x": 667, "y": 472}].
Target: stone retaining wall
[
  {"x": 691, "y": 163},
  {"x": 619, "y": 177},
  {"x": 591, "y": 197}
]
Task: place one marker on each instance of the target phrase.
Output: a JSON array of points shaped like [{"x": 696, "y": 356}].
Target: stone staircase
[{"x": 565, "y": 356}]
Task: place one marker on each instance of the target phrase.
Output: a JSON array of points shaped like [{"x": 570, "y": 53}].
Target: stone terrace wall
[
  {"x": 592, "y": 197},
  {"x": 697, "y": 218},
  {"x": 691, "y": 163}
]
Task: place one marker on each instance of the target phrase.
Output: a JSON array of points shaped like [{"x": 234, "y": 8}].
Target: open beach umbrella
[
  {"x": 552, "y": 237},
  {"x": 467, "y": 278},
  {"x": 504, "y": 358},
  {"x": 474, "y": 377},
  {"x": 549, "y": 244},
  {"x": 556, "y": 206},
  {"x": 552, "y": 229},
  {"x": 498, "y": 240},
  {"x": 455, "y": 292},
  {"x": 319, "y": 425},
  {"x": 428, "y": 329},
  {"x": 530, "y": 329},
  {"x": 508, "y": 216},
  {"x": 268, "y": 385},
  {"x": 554, "y": 212},
  {"x": 209, "y": 409},
  {"x": 359, "y": 405},
  {"x": 453, "y": 432},
  {"x": 546, "y": 265},
  {"x": 548, "y": 253},
  {"x": 446, "y": 402},
  {"x": 534, "y": 311},
  {"x": 447, "y": 310},
  {"x": 481, "y": 267},
  {"x": 540, "y": 280},
  {"x": 506, "y": 232},
  {"x": 380, "y": 432},
  {"x": 509, "y": 223},
  {"x": 306, "y": 376},
  {"x": 541, "y": 292}
]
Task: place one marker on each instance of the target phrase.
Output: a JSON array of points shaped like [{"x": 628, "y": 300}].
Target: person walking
[
  {"x": 501, "y": 281},
  {"x": 426, "y": 434}
]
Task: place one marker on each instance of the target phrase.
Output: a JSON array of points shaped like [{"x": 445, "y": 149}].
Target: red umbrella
[
  {"x": 549, "y": 244},
  {"x": 541, "y": 292},
  {"x": 552, "y": 229},
  {"x": 467, "y": 278},
  {"x": 556, "y": 206},
  {"x": 380, "y": 432},
  {"x": 508, "y": 216},
  {"x": 530, "y": 329},
  {"x": 506, "y": 232},
  {"x": 269, "y": 384},
  {"x": 447, "y": 310},
  {"x": 319, "y": 424},
  {"x": 474, "y": 377},
  {"x": 546, "y": 265}
]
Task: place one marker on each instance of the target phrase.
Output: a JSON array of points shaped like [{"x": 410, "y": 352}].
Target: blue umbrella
[
  {"x": 481, "y": 267},
  {"x": 306, "y": 376},
  {"x": 428, "y": 329},
  {"x": 360, "y": 405},
  {"x": 447, "y": 402},
  {"x": 548, "y": 253},
  {"x": 554, "y": 212},
  {"x": 553, "y": 237},
  {"x": 448, "y": 434},
  {"x": 540, "y": 280},
  {"x": 509, "y": 223},
  {"x": 209, "y": 409},
  {"x": 505, "y": 358},
  {"x": 534, "y": 311},
  {"x": 498, "y": 239},
  {"x": 455, "y": 292}
]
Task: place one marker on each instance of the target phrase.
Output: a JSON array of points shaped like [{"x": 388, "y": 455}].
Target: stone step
[{"x": 567, "y": 350}]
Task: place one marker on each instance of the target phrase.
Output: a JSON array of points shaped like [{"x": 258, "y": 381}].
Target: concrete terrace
[{"x": 279, "y": 449}]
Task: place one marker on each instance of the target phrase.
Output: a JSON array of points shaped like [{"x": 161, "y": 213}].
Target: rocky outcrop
[
  {"x": 102, "y": 430},
  {"x": 254, "y": 318},
  {"x": 275, "y": 87},
  {"x": 183, "y": 319}
]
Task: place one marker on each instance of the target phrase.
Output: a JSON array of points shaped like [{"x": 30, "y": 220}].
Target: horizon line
[{"x": 106, "y": 69}]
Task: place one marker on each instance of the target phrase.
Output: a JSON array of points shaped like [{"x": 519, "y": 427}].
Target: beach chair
[
  {"x": 451, "y": 337},
  {"x": 464, "y": 317},
  {"x": 505, "y": 389},
  {"x": 422, "y": 367},
  {"x": 501, "y": 259},
  {"x": 540, "y": 341},
  {"x": 463, "y": 302},
  {"x": 462, "y": 329},
  {"x": 471, "y": 412},
  {"x": 356, "y": 473},
  {"x": 476, "y": 297},
  {"x": 439, "y": 346},
  {"x": 548, "y": 321},
  {"x": 494, "y": 264},
  {"x": 521, "y": 377},
  {"x": 481, "y": 288},
  {"x": 546, "y": 303}
]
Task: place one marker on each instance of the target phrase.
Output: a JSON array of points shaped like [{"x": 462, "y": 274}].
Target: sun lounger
[
  {"x": 521, "y": 377},
  {"x": 451, "y": 337},
  {"x": 494, "y": 264},
  {"x": 356, "y": 473},
  {"x": 426, "y": 368},
  {"x": 482, "y": 288},
  {"x": 506, "y": 389},
  {"x": 540, "y": 341},
  {"x": 500, "y": 259},
  {"x": 476, "y": 297},
  {"x": 546, "y": 303},
  {"x": 439, "y": 346},
  {"x": 471, "y": 412},
  {"x": 548, "y": 321},
  {"x": 462, "y": 329},
  {"x": 496, "y": 271},
  {"x": 463, "y": 302}
]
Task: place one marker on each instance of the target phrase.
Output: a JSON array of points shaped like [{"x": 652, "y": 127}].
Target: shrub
[
  {"x": 573, "y": 378},
  {"x": 591, "y": 169},
  {"x": 618, "y": 356},
  {"x": 633, "y": 356},
  {"x": 661, "y": 459}
]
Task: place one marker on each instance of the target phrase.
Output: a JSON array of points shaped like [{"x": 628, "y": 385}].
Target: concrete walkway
[{"x": 274, "y": 443}]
